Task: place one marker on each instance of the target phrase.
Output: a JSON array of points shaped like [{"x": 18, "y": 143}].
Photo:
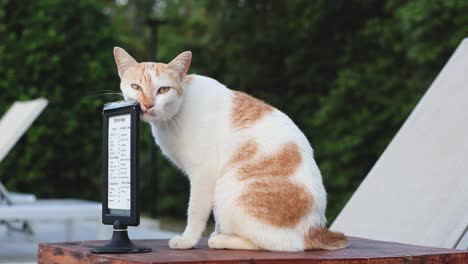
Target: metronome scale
[{"x": 120, "y": 200}]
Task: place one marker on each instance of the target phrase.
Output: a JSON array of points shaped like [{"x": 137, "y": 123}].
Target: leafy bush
[
  {"x": 60, "y": 50},
  {"x": 347, "y": 72}
]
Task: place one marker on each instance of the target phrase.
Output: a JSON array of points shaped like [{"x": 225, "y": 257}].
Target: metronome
[{"x": 120, "y": 189}]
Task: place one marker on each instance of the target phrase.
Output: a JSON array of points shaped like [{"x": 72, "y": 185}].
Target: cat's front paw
[{"x": 181, "y": 242}]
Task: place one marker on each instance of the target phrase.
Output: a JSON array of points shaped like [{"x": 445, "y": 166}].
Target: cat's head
[{"x": 157, "y": 87}]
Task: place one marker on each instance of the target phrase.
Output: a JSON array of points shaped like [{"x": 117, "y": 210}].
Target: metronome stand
[{"x": 120, "y": 243}]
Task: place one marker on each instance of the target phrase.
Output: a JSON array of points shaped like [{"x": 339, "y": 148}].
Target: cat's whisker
[
  {"x": 176, "y": 120},
  {"x": 177, "y": 123},
  {"x": 166, "y": 115},
  {"x": 111, "y": 94},
  {"x": 107, "y": 95},
  {"x": 158, "y": 113},
  {"x": 163, "y": 115},
  {"x": 165, "y": 121},
  {"x": 107, "y": 92},
  {"x": 173, "y": 121}
]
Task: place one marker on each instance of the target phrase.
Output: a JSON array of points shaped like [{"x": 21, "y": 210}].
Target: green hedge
[
  {"x": 347, "y": 72},
  {"x": 60, "y": 50}
]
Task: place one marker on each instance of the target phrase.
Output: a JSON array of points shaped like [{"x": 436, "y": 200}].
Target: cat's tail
[{"x": 322, "y": 238}]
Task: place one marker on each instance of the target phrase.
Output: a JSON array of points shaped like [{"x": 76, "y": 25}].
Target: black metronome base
[{"x": 119, "y": 244}]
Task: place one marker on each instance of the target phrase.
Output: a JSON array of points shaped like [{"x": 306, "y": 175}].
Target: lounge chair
[
  {"x": 417, "y": 192},
  {"x": 24, "y": 208}
]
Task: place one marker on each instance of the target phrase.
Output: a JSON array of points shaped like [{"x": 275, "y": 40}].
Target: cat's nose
[{"x": 148, "y": 105}]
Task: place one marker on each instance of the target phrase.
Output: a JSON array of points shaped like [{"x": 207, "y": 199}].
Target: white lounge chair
[
  {"x": 23, "y": 208},
  {"x": 417, "y": 192}
]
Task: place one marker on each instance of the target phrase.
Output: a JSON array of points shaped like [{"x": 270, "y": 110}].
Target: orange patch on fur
[
  {"x": 272, "y": 197},
  {"x": 247, "y": 110},
  {"x": 322, "y": 238},
  {"x": 245, "y": 152},
  {"x": 284, "y": 163},
  {"x": 158, "y": 68},
  {"x": 280, "y": 203}
]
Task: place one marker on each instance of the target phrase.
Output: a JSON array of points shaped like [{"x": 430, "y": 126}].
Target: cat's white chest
[
  {"x": 167, "y": 140},
  {"x": 197, "y": 139},
  {"x": 194, "y": 150}
]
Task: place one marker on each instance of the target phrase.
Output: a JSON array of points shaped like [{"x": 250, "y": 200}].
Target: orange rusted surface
[{"x": 360, "y": 251}]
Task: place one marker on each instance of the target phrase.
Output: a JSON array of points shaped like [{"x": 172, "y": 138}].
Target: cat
[{"x": 246, "y": 160}]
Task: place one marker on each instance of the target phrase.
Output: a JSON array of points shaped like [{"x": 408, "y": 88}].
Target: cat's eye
[
  {"x": 164, "y": 89},
  {"x": 136, "y": 87}
]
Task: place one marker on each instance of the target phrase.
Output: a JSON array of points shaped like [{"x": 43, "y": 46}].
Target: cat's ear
[
  {"x": 123, "y": 60},
  {"x": 181, "y": 64}
]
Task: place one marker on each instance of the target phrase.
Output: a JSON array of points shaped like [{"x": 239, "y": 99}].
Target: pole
[
  {"x": 152, "y": 176},
  {"x": 154, "y": 25}
]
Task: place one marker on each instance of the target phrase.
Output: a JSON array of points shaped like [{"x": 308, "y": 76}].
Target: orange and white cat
[{"x": 246, "y": 160}]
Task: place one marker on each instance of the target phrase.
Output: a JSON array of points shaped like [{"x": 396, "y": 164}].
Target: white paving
[{"x": 19, "y": 248}]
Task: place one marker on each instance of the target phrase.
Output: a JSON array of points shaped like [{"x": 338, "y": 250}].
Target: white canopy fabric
[
  {"x": 417, "y": 192},
  {"x": 16, "y": 121}
]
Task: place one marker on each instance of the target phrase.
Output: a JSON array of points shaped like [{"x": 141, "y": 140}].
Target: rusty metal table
[{"x": 359, "y": 251}]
